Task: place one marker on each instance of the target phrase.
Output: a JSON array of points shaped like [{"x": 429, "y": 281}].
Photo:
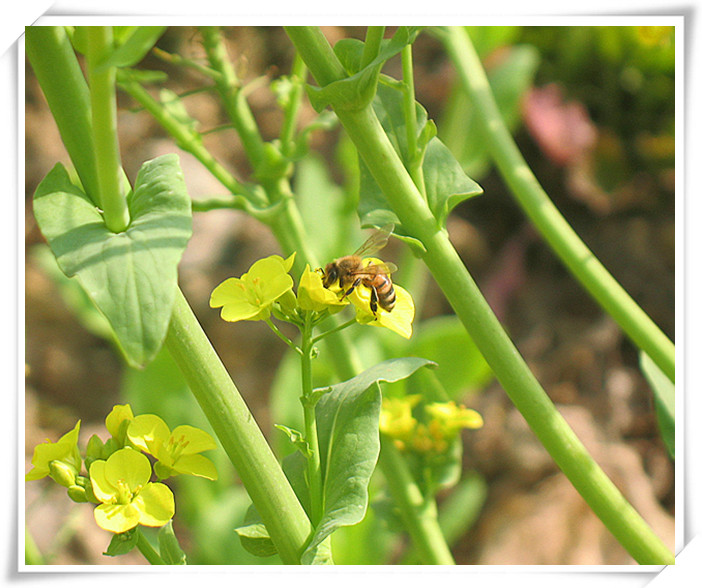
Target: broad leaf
[
  {"x": 349, "y": 443},
  {"x": 664, "y": 399},
  {"x": 130, "y": 276},
  {"x": 445, "y": 181}
]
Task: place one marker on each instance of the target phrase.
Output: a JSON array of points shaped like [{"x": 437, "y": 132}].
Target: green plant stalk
[
  {"x": 418, "y": 514},
  {"x": 233, "y": 98},
  {"x": 545, "y": 216},
  {"x": 371, "y": 48},
  {"x": 410, "y": 112},
  {"x": 314, "y": 464},
  {"x": 151, "y": 555},
  {"x": 61, "y": 79},
  {"x": 103, "y": 102},
  {"x": 238, "y": 433},
  {"x": 287, "y": 132},
  {"x": 458, "y": 286}
]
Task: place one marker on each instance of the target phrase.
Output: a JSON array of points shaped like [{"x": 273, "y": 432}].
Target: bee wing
[
  {"x": 373, "y": 269},
  {"x": 376, "y": 241}
]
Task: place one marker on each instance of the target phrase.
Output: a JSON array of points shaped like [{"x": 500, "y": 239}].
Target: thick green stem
[
  {"x": 418, "y": 514},
  {"x": 464, "y": 296},
  {"x": 103, "y": 101},
  {"x": 549, "y": 221},
  {"x": 238, "y": 433},
  {"x": 61, "y": 79}
]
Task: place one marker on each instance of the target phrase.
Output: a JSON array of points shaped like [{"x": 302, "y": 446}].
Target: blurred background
[{"x": 592, "y": 109}]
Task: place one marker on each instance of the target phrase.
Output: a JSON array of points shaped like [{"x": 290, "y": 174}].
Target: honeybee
[{"x": 350, "y": 272}]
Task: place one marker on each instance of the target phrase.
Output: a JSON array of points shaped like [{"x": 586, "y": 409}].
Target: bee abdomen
[{"x": 386, "y": 293}]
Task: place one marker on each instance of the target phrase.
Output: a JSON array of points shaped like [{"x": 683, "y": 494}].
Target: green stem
[
  {"x": 151, "y": 555},
  {"x": 545, "y": 216},
  {"x": 314, "y": 464},
  {"x": 282, "y": 337},
  {"x": 292, "y": 111},
  {"x": 418, "y": 514},
  {"x": 410, "y": 111},
  {"x": 234, "y": 101},
  {"x": 526, "y": 393},
  {"x": 371, "y": 48},
  {"x": 238, "y": 433},
  {"x": 103, "y": 101},
  {"x": 61, "y": 79}
]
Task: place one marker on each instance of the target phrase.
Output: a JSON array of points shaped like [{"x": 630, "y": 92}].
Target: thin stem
[
  {"x": 151, "y": 555},
  {"x": 340, "y": 327},
  {"x": 526, "y": 393},
  {"x": 314, "y": 467},
  {"x": 410, "y": 112},
  {"x": 419, "y": 514},
  {"x": 292, "y": 111},
  {"x": 549, "y": 221},
  {"x": 238, "y": 433},
  {"x": 282, "y": 337},
  {"x": 103, "y": 101}
]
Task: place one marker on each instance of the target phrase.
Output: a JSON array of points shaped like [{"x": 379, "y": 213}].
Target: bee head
[{"x": 331, "y": 274}]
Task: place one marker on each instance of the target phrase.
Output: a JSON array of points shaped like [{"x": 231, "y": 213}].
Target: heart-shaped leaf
[{"x": 130, "y": 276}]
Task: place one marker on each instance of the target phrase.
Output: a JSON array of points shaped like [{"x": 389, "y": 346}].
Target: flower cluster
[
  {"x": 119, "y": 472},
  {"x": 267, "y": 288},
  {"x": 432, "y": 434}
]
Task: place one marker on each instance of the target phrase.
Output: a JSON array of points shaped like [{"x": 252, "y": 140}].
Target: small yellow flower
[
  {"x": 450, "y": 419},
  {"x": 251, "y": 296},
  {"x": 396, "y": 418},
  {"x": 312, "y": 295},
  {"x": 121, "y": 484},
  {"x": 177, "y": 452}
]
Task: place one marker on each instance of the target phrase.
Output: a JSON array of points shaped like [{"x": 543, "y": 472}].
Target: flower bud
[
  {"x": 62, "y": 473},
  {"x": 94, "y": 448},
  {"x": 77, "y": 493}
]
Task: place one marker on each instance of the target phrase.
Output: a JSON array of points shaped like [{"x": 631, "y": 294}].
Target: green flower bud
[
  {"x": 77, "y": 493},
  {"x": 94, "y": 448},
  {"x": 62, "y": 473}
]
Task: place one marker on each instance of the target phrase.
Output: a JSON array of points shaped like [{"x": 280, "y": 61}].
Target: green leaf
[
  {"x": 137, "y": 43},
  {"x": 122, "y": 543},
  {"x": 664, "y": 399},
  {"x": 357, "y": 90},
  {"x": 347, "y": 427},
  {"x": 130, "y": 276},
  {"x": 256, "y": 540},
  {"x": 169, "y": 548},
  {"x": 461, "y": 368},
  {"x": 446, "y": 183}
]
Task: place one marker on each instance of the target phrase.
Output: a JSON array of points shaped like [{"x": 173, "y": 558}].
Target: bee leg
[
  {"x": 355, "y": 284},
  {"x": 374, "y": 300}
]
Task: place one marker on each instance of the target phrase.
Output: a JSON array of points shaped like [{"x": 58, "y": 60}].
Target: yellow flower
[
  {"x": 251, "y": 296},
  {"x": 312, "y": 295},
  {"x": 61, "y": 460},
  {"x": 121, "y": 484},
  {"x": 449, "y": 419},
  {"x": 396, "y": 418}
]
